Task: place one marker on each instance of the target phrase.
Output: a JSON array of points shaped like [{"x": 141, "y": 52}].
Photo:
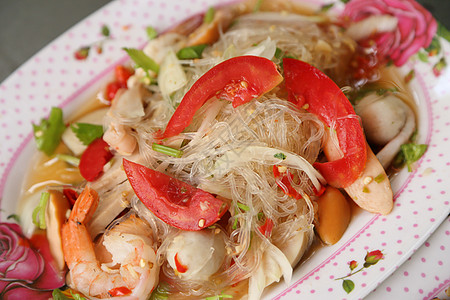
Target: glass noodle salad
[{"x": 226, "y": 149}]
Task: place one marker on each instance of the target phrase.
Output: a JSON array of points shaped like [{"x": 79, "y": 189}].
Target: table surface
[{"x": 26, "y": 26}]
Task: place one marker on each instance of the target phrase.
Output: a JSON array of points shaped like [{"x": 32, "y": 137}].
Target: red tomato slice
[
  {"x": 308, "y": 85},
  {"x": 173, "y": 201},
  {"x": 93, "y": 159},
  {"x": 239, "y": 79}
]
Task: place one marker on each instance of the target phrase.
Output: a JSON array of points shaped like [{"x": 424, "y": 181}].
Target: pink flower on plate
[
  {"x": 25, "y": 271},
  {"x": 352, "y": 265},
  {"x": 415, "y": 26},
  {"x": 373, "y": 257}
]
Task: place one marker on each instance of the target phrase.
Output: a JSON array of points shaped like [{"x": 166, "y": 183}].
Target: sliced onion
[{"x": 265, "y": 155}]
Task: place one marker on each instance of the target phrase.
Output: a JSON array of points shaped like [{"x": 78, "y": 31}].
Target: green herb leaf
[
  {"x": 260, "y": 215},
  {"x": 86, "y": 132},
  {"x": 435, "y": 47},
  {"x": 14, "y": 217},
  {"x": 58, "y": 295},
  {"x": 77, "y": 296},
  {"x": 439, "y": 66},
  {"x": 151, "y": 32},
  {"x": 345, "y": 1},
  {"x": 167, "y": 150},
  {"x": 39, "y": 212},
  {"x": 105, "y": 31},
  {"x": 326, "y": 7},
  {"x": 348, "y": 285},
  {"x": 142, "y": 60},
  {"x": 412, "y": 153},
  {"x": 48, "y": 133},
  {"x": 280, "y": 156},
  {"x": 72, "y": 160},
  {"x": 422, "y": 56},
  {"x": 191, "y": 52},
  {"x": 209, "y": 15},
  {"x": 443, "y": 32}
]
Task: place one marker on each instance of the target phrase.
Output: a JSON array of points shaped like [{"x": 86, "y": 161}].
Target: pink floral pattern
[
  {"x": 371, "y": 258},
  {"x": 25, "y": 272},
  {"x": 415, "y": 30}
]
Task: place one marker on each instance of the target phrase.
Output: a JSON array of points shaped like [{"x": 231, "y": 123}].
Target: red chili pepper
[
  {"x": 180, "y": 267},
  {"x": 266, "y": 228},
  {"x": 122, "y": 74},
  {"x": 119, "y": 291},
  {"x": 173, "y": 201},
  {"x": 93, "y": 159},
  {"x": 285, "y": 185},
  {"x": 308, "y": 85},
  {"x": 111, "y": 90},
  {"x": 70, "y": 195},
  {"x": 239, "y": 79}
]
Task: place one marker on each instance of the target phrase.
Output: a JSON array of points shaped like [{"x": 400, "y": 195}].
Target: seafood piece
[
  {"x": 209, "y": 32},
  {"x": 196, "y": 254},
  {"x": 387, "y": 122},
  {"x": 131, "y": 267}
]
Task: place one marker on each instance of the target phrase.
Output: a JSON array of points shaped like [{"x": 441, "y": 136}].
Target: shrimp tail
[
  {"x": 85, "y": 206},
  {"x": 76, "y": 239}
]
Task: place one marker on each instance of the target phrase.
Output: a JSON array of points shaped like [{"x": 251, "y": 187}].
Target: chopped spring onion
[
  {"x": 48, "y": 133},
  {"x": 167, "y": 150},
  {"x": 218, "y": 297},
  {"x": 243, "y": 206},
  {"x": 142, "y": 60},
  {"x": 72, "y": 160},
  {"x": 379, "y": 178},
  {"x": 209, "y": 15},
  {"x": 39, "y": 211}
]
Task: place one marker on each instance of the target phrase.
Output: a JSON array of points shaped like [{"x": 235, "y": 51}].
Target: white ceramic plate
[{"x": 54, "y": 78}]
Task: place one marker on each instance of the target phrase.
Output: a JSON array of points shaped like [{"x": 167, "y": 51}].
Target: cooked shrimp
[{"x": 131, "y": 269}]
